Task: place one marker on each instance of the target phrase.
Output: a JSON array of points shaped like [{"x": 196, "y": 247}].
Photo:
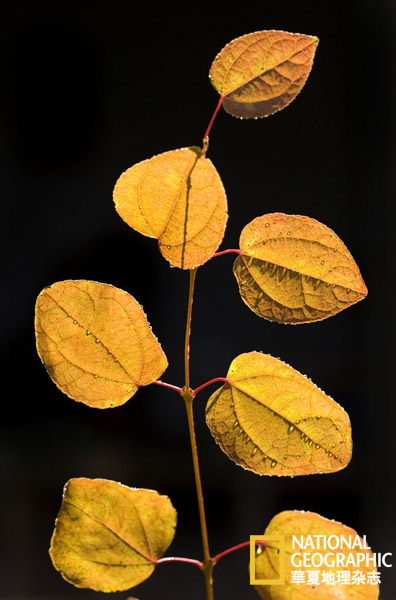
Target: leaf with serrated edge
[
  {"x": 95, "y": 342},
  {"x": 294, "y": 269},
  {"x": 108, "y": 536},
  {"x": 178, "y": 198},
  {"x": 271, "y": 420},
  {"x": 303, "y": 524},
  {"x": 262, "y": 72}
]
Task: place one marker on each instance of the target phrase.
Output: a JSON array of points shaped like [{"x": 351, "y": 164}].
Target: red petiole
[
  {"x": 231, "y": 251},
  {"x": 234, "y": 548},
  {"x": 204, "y": 385},
  {"x": 206, "y": 136},
  {"x": 169, "y": 386},
  {"x": 191, "y": 561}
]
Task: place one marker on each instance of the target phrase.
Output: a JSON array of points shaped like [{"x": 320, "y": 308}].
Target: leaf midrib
[
  {"x": 108, "y": 564},
  {"x": 265, "y": 70},
  {"x": 111, "y": 530},
  {"x": 274, "y": 412},
  {"x": 300, "y": 273},
  {"x": 192, "y": 161},
  {"x": 94, "y": 334}
]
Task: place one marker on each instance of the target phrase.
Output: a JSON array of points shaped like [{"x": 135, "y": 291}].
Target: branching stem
[{"x": 188, "y": 396}]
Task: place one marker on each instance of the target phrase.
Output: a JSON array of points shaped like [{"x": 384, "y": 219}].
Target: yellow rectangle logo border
[{"x": 267, "y": 538}]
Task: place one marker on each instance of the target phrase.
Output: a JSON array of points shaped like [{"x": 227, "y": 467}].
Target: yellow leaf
[
  {"x": 304, "y": 526},
  {"x": 178, "y": 198},
  {"x": 107, "y": 536},
  {"x": 294, "y": 269},
  {"x": 272, "y": 420},
  {"x": 95, "y": 342},
  {"x": 262, "y": 72}
]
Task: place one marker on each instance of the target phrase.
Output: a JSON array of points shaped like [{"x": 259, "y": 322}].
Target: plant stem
[
  {"x": 204, "y": 385},
  {"x": 207, "y": 563},
  {"x": 234, "y": 548},
  {"x": 193, "y": 273},
  {"x": 206, "y": 136},
  {"x": 191, "y": 561},
  {"x": 188, "y": 399},
  {"x": 169, "y": 386},
  {"x": 230, "y": 251}
]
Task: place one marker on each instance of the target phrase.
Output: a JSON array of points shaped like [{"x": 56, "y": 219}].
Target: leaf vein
[
  {"x": 265, "y": 70},
  {"x": 106, "y": 564},
  {"x": 94, "y": 334},
  {"x": 288, "y": 421},
  {"x": 106, "y": 526}
]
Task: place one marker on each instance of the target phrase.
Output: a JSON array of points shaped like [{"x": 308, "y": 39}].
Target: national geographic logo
[{"x": 317, "y": 560}]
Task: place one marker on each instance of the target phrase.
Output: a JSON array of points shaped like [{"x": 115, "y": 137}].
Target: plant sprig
[{"x": 98, "y": 347}]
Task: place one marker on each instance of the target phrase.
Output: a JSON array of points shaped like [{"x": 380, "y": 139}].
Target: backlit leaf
[
  {"x": 262, "y": 72},
  {"x": 294, "y": 269},
  {"x": 272, "y": 420},
  {"x": 95, "y": 342},
  {"x": 107, "y": 536},
  {"x": 178, "y": 198},
  {"x": 301, "y": 525}
]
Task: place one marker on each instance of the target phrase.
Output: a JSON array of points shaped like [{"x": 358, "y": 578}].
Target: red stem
[
  {"x": 234, "y": 548},
  {"x": 169, "y": 385},
  {"x": 191, "y": 561},
  {"x": 231, "y": 251},
  {"x": 198, "y": 563},
  {"x": 204, "y": 385},
  {"x": 206, "y": 136}
]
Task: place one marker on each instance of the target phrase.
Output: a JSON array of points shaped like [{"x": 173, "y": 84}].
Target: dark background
[{"x": 90, "y": 88}]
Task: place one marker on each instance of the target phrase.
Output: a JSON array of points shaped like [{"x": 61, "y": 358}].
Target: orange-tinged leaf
[
  {"x": 108, "y": 536},
  {"x": 294, "y": 269},
  {"x": 272, "y": 420},
  {"x": 262, "y": 72},
  {"x": 304, "y": 526},
  {"x": 95, "y": 342},
  {"x": 178, "y": 198}
]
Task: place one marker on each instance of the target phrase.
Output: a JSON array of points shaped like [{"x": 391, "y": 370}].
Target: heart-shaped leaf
[
  {"x": 107, "y": 536},
  {"x": 95, "y": 342},
  {"x": 262, "y": 72},
  {"x": 354, "y": 578},
  {"x": 294, "y": 269},
  {"x": 272, "y": 420},
  {"x": 178, "y": 198}
]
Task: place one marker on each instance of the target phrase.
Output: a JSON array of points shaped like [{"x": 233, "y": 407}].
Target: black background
[{"x": 90, "y": 88}]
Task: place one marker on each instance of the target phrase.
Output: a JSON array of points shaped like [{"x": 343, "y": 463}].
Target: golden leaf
[
  {"x": 262, "y": 72},
  {"x": 271, "y": 420},
  {"x": 294, "y": 269},
  {"x": 178, "y": 198},
  {"x": 95, "y": 342},
  {"x": 107, "y": 536},
  {"x": 303, "y": 526}
]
